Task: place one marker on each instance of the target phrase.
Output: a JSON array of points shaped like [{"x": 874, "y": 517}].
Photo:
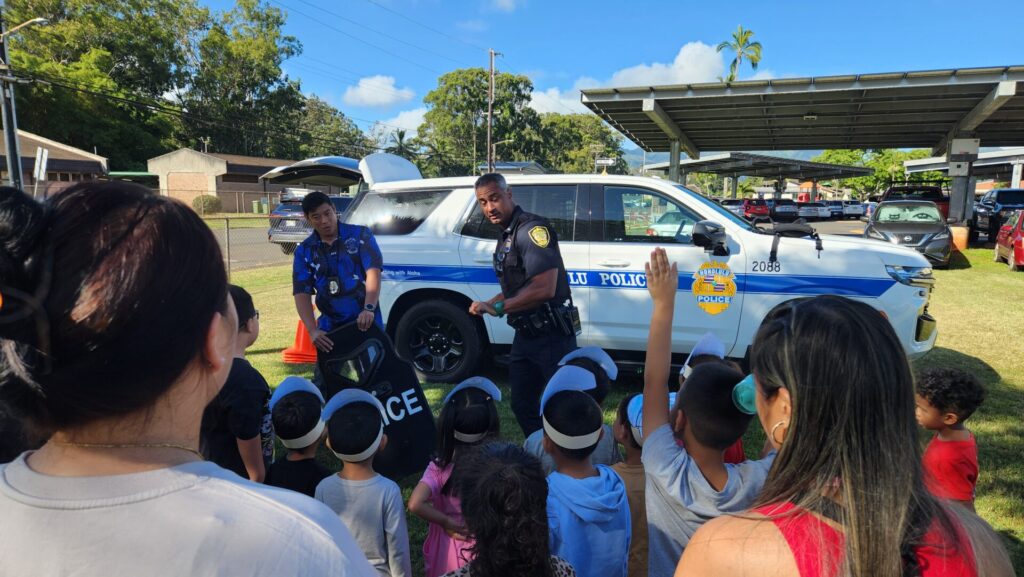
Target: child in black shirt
[{"x": 295, "y": 407}]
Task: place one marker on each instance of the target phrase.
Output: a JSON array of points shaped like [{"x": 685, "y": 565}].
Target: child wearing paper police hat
[
  {"x": 469, "y": 417},
  {"x": 588, "y": 509},
  {"x": 598, "y": 362},
  {"x": 689, "y": 486},
  {"x": 369, "y": 504},
  {"x": 295, "y": 409},
  {"x": 709, "y": 349}
]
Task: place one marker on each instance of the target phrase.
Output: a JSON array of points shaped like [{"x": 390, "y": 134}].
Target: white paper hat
[
  {"x": 708, "y": 344},
  {"x": 483, "y": 383},
  {"x": 635, "y": 414},
  {"x": 348, "y": 397},
  {"x": 294, "y": 385},
  {"x": 569, "y": 378}
]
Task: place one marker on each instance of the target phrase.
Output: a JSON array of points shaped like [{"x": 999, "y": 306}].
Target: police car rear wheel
[{"x": 440, "y": 340}]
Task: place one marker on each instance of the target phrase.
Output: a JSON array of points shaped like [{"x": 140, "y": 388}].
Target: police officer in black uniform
[{"x": 534, "y": 296}]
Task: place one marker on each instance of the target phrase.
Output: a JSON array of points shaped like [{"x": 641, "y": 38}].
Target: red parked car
[
  {"x": 753, "y": 207},
  {"x": 1010, "y": 241}
]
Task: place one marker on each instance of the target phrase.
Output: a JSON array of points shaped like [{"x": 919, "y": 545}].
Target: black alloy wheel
[{"x": 440, "y": 340}]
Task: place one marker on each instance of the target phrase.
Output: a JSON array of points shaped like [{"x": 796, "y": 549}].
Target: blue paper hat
[
  {"x": 294, "y": 385},
  {"x": 483, "y": 383},
  {"x": 635, "y": 414},
  {"x": 567, "y": 378},
  {"x": 347, "y": 397},
  {"x": 596, "y": 354}
]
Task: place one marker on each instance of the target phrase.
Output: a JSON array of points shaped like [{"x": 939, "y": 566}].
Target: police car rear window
[{"x": 394, "y": 213}]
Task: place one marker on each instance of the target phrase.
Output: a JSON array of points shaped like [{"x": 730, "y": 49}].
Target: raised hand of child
[{"x": 662, "y": 277}]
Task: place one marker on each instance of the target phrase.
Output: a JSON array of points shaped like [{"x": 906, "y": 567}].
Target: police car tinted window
[
  {"x": 394, "y": 213},
  {"x": 639, "y": 215},
  {"x": 557, "y": 203}
]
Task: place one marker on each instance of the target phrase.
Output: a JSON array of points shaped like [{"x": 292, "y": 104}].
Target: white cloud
[
  {"x": 554, "y": 100},
  {"x": 504, "y": 5},
  {"x": 695, "y": 62},
  {"x": 762, "y": 75},
  {"x": 409, "y": 120},
  {"x": 376, "y": 91}
]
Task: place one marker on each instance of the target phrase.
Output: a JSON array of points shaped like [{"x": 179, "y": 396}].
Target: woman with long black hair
[
  {"x": 116, "y": 330},
  {"x": 845, "y": 496}
]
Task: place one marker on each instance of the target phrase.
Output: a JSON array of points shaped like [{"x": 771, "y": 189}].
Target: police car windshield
[{"x": 718, "y": 209}]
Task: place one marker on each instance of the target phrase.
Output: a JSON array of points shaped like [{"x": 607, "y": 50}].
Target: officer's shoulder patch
[{"x": 540, "y": 237}]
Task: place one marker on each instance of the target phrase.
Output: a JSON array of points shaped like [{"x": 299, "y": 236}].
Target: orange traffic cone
[{"x": 303, "y": 350}]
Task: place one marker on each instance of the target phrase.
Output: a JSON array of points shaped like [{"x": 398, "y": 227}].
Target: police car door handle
[
  {"x": 482, "y": 259},
  {"x": 614, "y": 263}
]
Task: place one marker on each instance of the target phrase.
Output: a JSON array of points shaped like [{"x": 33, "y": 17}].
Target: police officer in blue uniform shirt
[
  {"x": 534, "y": 296},
  {"x": 340, "y": 264}
]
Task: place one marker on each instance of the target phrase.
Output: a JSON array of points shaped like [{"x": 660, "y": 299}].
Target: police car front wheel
[{"x": 440, "y": 340}]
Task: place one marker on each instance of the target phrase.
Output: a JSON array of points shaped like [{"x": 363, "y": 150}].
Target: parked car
[
  {"x": 754, "y": 208},
  {"x": 853, "y": 209},
  {"x": 669, "y": 225},
  {"x": 915, "y": 224},
  {"x": 993, "y": 209},
  {"x": 784, "y": 209},
  {"x": 733, "y": 205},
  {"x": 918, "y": 191},
  {"x": 813, "y": 211},
  {"x": 288, "y": 225},
  {"x": 835, "y": 207},
  {"x": 1009, "y": 244}
]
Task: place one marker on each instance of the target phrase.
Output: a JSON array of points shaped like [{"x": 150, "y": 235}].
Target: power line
[
  {"x": 228, "y": 123},
  {"x": 430, "y": 28},
  {"x": 380, "y": 33},
  {"x": 350, "y": 35}
]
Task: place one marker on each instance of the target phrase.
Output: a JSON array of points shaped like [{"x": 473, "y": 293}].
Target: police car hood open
[{"x": 344, "y": 171}]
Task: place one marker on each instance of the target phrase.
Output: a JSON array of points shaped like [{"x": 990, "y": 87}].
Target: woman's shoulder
[{"x": 738, "y": 544}]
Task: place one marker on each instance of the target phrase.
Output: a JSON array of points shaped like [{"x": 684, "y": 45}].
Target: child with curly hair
[
  {"x": 945, "y": 399},
  {"x": 504, "y": 502}
]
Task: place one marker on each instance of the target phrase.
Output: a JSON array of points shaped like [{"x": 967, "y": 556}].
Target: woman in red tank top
[{"x": 845, "y": 496}]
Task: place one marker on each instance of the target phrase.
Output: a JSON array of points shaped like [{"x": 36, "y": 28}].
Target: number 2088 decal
[{"x": 767, "y": 266}]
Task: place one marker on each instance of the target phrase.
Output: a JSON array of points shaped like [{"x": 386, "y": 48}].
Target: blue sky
[{"x": 376, "y": 59}]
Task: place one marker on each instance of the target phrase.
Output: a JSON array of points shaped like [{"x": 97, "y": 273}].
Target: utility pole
[
  {"x": 490, "y": 113},
  {"x": 206, "y": 143},
  {"x": 9, "y": 116}
]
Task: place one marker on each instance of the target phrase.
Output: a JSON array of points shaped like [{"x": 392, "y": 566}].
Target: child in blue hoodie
[{"x": 588, "y": 512}]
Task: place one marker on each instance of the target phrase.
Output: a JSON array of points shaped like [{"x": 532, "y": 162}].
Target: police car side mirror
[{"x": 711, "y": 237}]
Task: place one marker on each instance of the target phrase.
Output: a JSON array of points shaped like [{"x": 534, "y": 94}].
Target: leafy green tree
[
  {"x": 402, "y": 146},
  {"x": 456, "y": 120},
  {"x": 325, "y": 131},
  {"x": 571, "y": 142},
  {"x": 887, "y": 164},
  {"x": 744, "y": 49},
  {"x": 92, "y": 59},
  {"x": 238, "y": 96}
]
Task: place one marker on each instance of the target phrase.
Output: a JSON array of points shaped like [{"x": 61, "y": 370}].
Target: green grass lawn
[{"x": 980, "y": 311}]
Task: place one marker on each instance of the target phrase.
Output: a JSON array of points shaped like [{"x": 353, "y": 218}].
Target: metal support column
[
  {"x": 733, "y": 186},
  {"x": 961, "y": 154},
  {"x": 814, "y": 191},
  {"x": 9, "y": 115},
  {"x": 673, "y": 161},
  {"x": 1015, "y": 180}
]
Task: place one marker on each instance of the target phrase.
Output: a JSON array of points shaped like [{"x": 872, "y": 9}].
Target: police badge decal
[
  {"x": 714, "y": 286},
  {"x": 540, "y": 237}
]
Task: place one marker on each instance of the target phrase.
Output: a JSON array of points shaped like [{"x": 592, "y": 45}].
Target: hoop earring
[{"x": 772, "y": 433}]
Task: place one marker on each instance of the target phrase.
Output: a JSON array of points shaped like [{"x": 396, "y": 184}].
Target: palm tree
[
  {"x": 743, "y": 48},
  {"x": 400, "y": 146}
]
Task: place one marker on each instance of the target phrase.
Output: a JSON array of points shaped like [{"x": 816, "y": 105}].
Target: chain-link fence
[{"x": 245, "y": 243}]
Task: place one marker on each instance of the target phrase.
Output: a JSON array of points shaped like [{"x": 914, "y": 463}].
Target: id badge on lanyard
[{"x": 333, "y": 280}]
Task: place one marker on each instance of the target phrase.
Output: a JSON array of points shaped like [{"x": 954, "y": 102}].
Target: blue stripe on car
[{"x": 748, "y": 283}]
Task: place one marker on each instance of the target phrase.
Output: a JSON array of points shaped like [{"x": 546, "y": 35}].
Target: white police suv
[{"x": 437, "y": 250}]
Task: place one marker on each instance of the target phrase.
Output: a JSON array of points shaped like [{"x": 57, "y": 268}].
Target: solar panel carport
[{"x": 888, "y": 110}]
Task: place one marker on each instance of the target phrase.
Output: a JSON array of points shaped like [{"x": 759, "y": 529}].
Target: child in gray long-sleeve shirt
[{"x": 370, "y": 505}]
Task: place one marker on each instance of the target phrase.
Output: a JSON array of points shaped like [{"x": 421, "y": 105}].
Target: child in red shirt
[{"x": 945, "y": 399}]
